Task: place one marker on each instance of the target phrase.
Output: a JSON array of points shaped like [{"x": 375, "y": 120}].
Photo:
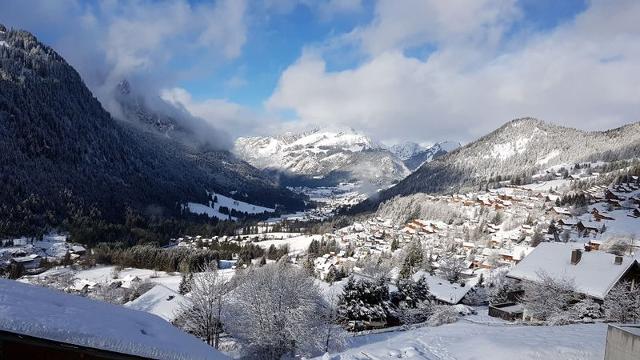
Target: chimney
[
  {"x": 618, "y": 260},
  {"x": 576, "y": 255}
]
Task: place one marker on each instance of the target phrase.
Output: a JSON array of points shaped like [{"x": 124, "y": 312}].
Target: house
[
  {"x": 594, "y": 272},
  {"x": 582, "y": 228},
  {"x": 29, "y": 262},
  {"x": 41, "y": 323},
  {"x": 561, "y": 211},
  {"x": 444, "y": 291}
]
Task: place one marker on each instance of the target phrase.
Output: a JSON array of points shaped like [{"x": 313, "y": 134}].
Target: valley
[{"x": 319, "y": 180}]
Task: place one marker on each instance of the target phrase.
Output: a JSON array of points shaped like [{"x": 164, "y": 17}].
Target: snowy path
[{"x": 471, "y": 341}]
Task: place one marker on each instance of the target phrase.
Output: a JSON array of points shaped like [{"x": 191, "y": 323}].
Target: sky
[{"x": 396, "y": 70}]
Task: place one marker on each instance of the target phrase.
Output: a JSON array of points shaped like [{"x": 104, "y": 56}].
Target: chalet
[
  {"x": 29, "y": 262},
  {"x": 609, "y": 195},
  {"x": 594, "y": 272},
  {"x": 566, "y": 223},
  {"x": 561, "y": 211},
  {"x": 582, "y": 228},
  {"x": 444, "y": 291},
  {"x": 594, "y": 244},
  {"x": 598, "y": 216}
]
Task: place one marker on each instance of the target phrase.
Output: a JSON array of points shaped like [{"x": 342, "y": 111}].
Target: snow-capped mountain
[
  {"x": 340, "y": 155},
  {"x": 413, "y": 155},
  {"x": 518, "y": 149},
  {"x": 406, "y": 149}
]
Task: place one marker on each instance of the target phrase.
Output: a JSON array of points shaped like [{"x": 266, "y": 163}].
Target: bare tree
[
  {"x": 274, "y": 311},
  {"x": 549, "y": 296},
  {"x": 451, "y": 268},
  {"x": 202, "y": 315}
]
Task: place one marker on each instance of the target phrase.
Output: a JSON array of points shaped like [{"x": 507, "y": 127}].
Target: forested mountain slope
[
  {"x": 517, "y": 150},
  {"x": 62, "y": 152}
]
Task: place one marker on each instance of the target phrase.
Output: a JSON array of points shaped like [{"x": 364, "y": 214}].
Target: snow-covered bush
[
  {"x": 443, "y": 314},
  {"x": 273, "y": 312},
  {"x": 548, "y": 297},
  {"x": 464, "y": 310},
  {"x": 451, "y": 268},
  {"x": 414, "y": 315},
  {"x": 476, "y": 296},
  {"x": 622, "y": 304},
  {"x": 201, "y": 316},
  {"x": 411, "y": 292},
  {"x": 586, "y": 308},
  {"x": 499, "y": 287},
  {"x": 562, "y": 318}
]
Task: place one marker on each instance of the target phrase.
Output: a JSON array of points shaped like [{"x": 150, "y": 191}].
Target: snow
[
  {"x": 445, "y": 291},
  {"x": 104, "y": 274},
  {"x": 297, "y": 244},
  {"x": 560, "y": 184},
  {"x": 160, "y": 301},
  {"x": 506, "y": 150},
  {"x": 465, "y": 340},
  {"x": 45, "y": 313},
  {"x": 207, "y": 210},
  {"x": 213, "y": 209},
  {"x": 548, "y": 158},
  {"x": 4, "y": 43},
  {"x": 594, "y": 275}
]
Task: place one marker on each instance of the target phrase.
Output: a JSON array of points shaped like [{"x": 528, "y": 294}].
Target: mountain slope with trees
[
  {"x": 63, "y": 154},
  {"x": 514, "y": 152}
]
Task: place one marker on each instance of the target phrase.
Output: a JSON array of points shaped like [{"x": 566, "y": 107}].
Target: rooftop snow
[
  {"x": 445, "y": 291},
  {"x": 594, "y": 275},
  {"x": 49, "y": 314}
]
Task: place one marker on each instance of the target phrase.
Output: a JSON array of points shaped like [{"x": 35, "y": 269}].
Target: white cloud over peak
[{"x": 584, "y": 73}]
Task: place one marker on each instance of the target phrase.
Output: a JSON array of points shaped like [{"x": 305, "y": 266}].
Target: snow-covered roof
[
  {"x": 594, "y": 275},
  {"x": 50, "y": 314},
  {"x": 160, "y": 301},
  {"x": 445, "y": 291}
]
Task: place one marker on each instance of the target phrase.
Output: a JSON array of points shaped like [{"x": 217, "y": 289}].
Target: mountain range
[
  {"x": 413, "y": 155},
  {"x": 518, "y": 149},
  {"x": 326, "y": 157}
]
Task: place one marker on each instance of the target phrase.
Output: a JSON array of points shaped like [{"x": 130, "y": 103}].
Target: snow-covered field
[
  {"x": 213, "y": 209},
  {"x": 105, "y": 274},
  {"x": 298, "y": 244},
  {"x": 465, "y": 340}
]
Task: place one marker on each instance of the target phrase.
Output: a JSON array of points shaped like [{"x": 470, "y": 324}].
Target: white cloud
[
  {"x": 585, "y": 73},
  {"x": 142, "y": 39},
  {"x": 228, "y": 116},
  {"x": 445, "y": 23}
]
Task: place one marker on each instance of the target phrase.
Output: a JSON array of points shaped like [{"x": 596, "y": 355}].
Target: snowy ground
[
  {"x": 297, "y": 245},
  {"x": 465, "y": 340},
  {"x": 213, "y": 209},
  {"x": 104, "y": 274},
  {"x": 50, "y": 314}
]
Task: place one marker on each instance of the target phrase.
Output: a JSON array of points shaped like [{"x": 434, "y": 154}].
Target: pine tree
[{"x": 185, "y": 283}]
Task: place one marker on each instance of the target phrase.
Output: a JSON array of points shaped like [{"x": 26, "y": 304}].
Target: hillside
[
  {"x": 62, "y": 152},
  {"x": 413, "y": 155},
  {"x": 515, "y": 151},
  {"x": 326, "y": 156}
]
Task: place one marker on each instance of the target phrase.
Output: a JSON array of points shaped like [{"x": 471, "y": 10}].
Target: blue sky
[
  {"x": 420, "y": 70},
  {"x": 276, "y": 41}
]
